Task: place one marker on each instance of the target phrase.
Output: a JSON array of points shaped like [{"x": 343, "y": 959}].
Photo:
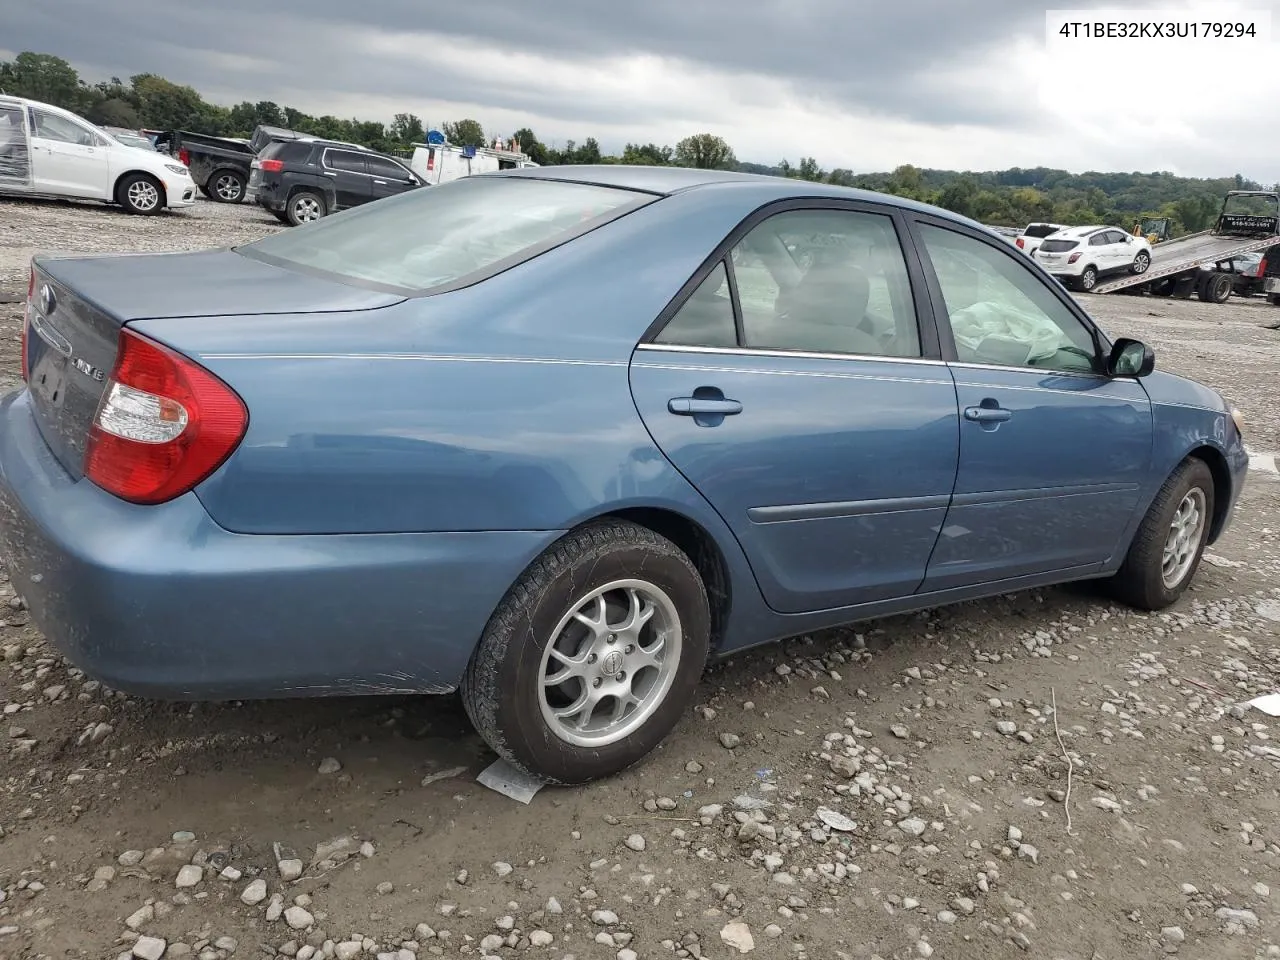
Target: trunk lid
[{"x": 79, "y": 306}]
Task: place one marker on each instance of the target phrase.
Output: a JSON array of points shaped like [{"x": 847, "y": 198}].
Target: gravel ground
[{"x": 905, "y": 789}]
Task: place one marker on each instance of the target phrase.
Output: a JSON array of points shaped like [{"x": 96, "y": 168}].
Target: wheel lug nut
[
  {"x": 612, "y": 638},
  {"x": 596, "y": 682},
  {"x": 630, "y": 648},
  {"x": 592, "y": 658},
  {"x": 622, "y": 675}
]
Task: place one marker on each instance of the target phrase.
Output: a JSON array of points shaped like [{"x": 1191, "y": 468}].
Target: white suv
[
  {"x": 1081, "y": 255},
  {"x": 1031, "y": 236}
]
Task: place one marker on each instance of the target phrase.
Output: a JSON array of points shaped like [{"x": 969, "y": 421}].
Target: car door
[
  {"x": 15, "y": 152},
  {"x": 388, "y": 178},
  {"x": 1053, "y": 453},
  {"x": 796, "y": 383},
  {"x": 1117, "y": 250},
  {"x": 68, "y": 158},
  {"x": 350, "y": 175}
]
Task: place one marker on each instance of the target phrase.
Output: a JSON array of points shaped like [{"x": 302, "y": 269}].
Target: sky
[{"x": 956, "y": 84}]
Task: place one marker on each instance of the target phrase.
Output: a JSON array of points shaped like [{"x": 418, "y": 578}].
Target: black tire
[
  {"x": 1140, "y": 581},
  {"x": 281, "y": 216},
  {"x": 1273, "y": 299},
  {"x": 226, "y": 186},
  {"x": 502, "y": 688},
  {"x": 204, "y": 191},
  {"x": 1215, "y": 288},
  {"x": 303, "y": 202},
  {"x": 140, "y": 193},
  {"x": 1088, "y": 279},
  {"x": 1141, "y": 263},
  {"x": 1163, "y": 288}
]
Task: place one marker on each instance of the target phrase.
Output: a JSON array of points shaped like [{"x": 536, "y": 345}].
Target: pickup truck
[{"x": 218, "y": 165}]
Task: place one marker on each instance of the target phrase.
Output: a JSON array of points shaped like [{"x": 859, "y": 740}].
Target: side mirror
[{"x": 1130, "y": 358}]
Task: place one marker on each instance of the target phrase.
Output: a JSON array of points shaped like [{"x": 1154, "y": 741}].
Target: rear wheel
[
  {"x": 305, "y": 206},
  {"x": 591, "y": 658},
  {"x": 1166, "y": 550},
  {"x": 226, "y": 186},
  {"x": 140, "y": 193},
  {"x": 1215, "y": 288}
]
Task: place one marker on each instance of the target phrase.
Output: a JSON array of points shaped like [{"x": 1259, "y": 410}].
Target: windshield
[{"x": 446, "y": 236}]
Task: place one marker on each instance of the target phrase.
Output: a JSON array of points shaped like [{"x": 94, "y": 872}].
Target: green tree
[
  {"x": 705, "y": 151},
  {"x": 44, "y": 77},
  {"x": 647, "y": 155},
  {"x": 163, "y": 105},
  {"x": 407, "y": 128},
  {"x": 531, "y": 146},
  {"x": 464, "y": 133},
  {"x": 115, "y": 113}
]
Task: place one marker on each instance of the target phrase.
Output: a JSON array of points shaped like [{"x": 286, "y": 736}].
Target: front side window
[
  {"x": 1000, "y": 312},
  {"x": 422, "y": 239},
  {"x": 52, "y": 127},
  {"x": 387, "y": 169}
]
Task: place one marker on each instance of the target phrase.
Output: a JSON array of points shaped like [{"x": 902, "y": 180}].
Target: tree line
[{"x": 1012, "y": 197}]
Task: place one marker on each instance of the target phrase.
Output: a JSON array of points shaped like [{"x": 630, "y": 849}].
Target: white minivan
[{"x": 50, "y": 152}]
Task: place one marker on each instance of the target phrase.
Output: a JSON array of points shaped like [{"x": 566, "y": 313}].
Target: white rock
[
  {"x": 836, "y": 820},
  {"x": 189, "y": 876},
  {"x": 553, "y": 907},
  {"x": 298, "y": 918},
  {"x": 540, "y": 938},
  {"x": 329, "y": 765},
  {"x": 635, "y": 842},
  {"x": 149, "y": 948},
  {"x": 143, "y": 915},
  {"x": 492, "y": 942},
  {"x": 604, "y": 918},
  {"x": 628, "y": 954},
  {"x": 1172, "y": 934},
  {"x": 348, "y": 949},
  {"x": 738, "y": 936},
  {"x": 254, "y": 893},
  {"x": 1105, "y": 803},
  {"x": 924, "y": 949},
  {"x": 912, "y": 826},
  {"x": 289, "y": 869},
  {"x": 502, "y": 868}
]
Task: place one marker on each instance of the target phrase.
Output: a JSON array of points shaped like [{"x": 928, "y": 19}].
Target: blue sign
[
  {"x": 435, "y": 138},
  {"x": 468, "y": 152}
]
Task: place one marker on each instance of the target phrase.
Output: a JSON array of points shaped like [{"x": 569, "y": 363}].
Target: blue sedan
[{"x": 555, "y": 437}]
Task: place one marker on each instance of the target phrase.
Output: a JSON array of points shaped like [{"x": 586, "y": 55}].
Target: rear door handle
[
  {"x": 703, "y": 406},
  {"x": 987, "y": 414}
]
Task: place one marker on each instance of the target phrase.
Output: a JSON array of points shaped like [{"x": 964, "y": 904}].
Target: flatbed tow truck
[{"x": 1200, "y": 263}]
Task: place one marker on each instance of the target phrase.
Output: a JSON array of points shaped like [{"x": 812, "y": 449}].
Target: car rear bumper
[
  {"x": 1271, "y": 285},
  {"x": 160, "y": 601}
]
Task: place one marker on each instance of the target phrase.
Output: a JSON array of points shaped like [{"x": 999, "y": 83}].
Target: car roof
[
  {"x": 665, "y": 181},
  {"x": 1085, "y": 231}
]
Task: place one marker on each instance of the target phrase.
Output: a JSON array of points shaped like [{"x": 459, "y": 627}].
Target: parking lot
[{"x": 1141, "y": 818}]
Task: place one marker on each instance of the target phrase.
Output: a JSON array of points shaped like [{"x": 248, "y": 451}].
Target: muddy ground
[{"x": 902, "y": 789}]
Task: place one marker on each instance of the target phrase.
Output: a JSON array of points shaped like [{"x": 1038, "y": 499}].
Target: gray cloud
[{"x": 880, "y": 57}]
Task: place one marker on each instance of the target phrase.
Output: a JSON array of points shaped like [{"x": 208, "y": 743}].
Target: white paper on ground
[
  {"x": 509, "y": 781},
  {"x": 1268, "y": 704}
]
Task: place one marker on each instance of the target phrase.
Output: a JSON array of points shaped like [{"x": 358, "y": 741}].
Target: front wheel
[
  {"x": 591, "y": 658},
  {"x": 1166, "y": 550},
  {"x": 1141, "y": 262},
  {"x": 140, "y": 193}
]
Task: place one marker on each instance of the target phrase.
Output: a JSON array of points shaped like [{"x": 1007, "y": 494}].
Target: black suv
[{"x": 303, "y": 180}]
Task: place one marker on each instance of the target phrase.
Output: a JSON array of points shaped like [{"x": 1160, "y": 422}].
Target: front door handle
[
  {"x": 987, "y": 414},
  {"x": 703, "y": 406}
]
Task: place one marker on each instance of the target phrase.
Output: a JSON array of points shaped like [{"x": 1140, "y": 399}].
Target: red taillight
[
  {"x": 163, "y": 425},
  {"x": 26, "y": 325},
  {"x": 272, "y": 166},
  {"x": 184, "y": 155},
  {"x": 1262, "y": 268},
  {"x": 1074, "y": 257},
  {"x": 1021, "y": 245}
]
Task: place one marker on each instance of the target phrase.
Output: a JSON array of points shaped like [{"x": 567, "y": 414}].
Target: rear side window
[
  {"x": 449, "y": 236},
  {"x": 345, "y": 160}
]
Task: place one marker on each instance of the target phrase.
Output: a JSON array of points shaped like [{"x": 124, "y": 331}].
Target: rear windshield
[
  {"x": 286, "y": 150},
  {"x": 436, "y": 238},
  {"x": 1040, "y": 230},
  {"x": 1058, "y": 246}
]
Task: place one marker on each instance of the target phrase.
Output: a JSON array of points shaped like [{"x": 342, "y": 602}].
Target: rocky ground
[{"x": 1042, "y": 775}]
